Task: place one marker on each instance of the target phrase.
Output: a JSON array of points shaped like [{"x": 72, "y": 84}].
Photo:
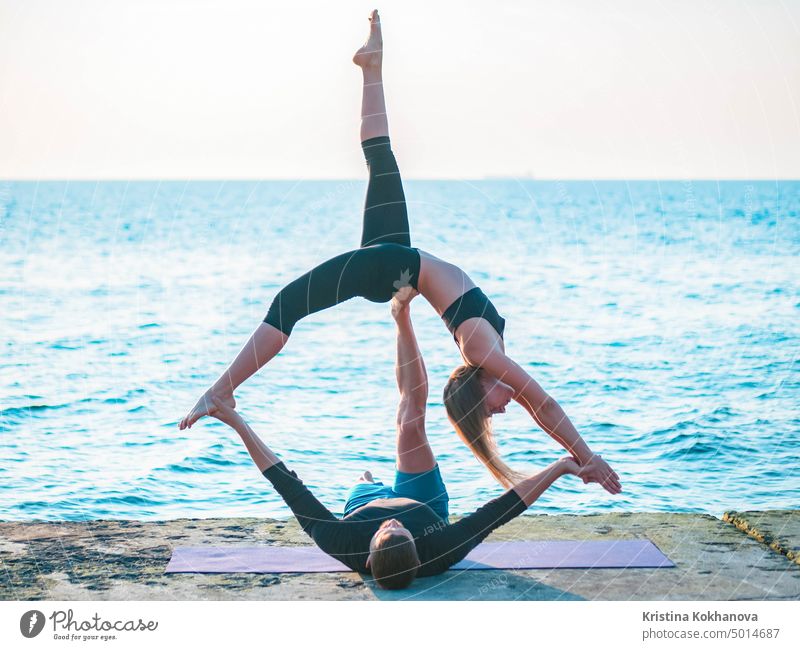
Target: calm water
[{"x": 662, "y": 316}]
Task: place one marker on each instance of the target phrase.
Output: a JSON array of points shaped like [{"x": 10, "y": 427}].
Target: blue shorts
[{"x": 425, "y": 487}]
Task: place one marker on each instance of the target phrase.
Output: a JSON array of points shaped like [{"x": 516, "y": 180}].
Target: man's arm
[
  {"x": 413, "y": 451},
  {"x": 412, "y": 378},
  {"x": 534, "y": 486},
  {"x": 455, "y": 541}
]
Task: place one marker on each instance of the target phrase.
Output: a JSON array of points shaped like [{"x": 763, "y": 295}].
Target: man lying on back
[{"x": 397, "y": 533}]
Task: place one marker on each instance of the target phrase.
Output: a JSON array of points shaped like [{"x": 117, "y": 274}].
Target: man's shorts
[{"x": 425, "y": 487}]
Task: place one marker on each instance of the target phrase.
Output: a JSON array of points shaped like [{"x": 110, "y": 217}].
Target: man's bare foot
[
  {"x": 371, "y": 54},
  {"x": 205, "y": 406}
]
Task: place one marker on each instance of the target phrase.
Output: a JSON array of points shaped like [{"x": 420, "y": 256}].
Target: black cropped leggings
[{"x": 383, "y": 264}]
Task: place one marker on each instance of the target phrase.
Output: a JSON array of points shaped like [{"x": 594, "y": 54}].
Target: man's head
[{"x": 393, "y": 558}]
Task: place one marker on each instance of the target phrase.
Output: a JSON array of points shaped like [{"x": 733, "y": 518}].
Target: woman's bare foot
[
  {"x": 205, "y": 406},
  {"x": 371, "y": 54}
]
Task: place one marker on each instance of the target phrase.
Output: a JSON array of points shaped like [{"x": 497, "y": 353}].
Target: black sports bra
[{"x": 473, "y": 304}]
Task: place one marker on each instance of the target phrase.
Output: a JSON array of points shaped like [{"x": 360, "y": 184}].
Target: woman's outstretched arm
[{"x": 545, "y": 411}]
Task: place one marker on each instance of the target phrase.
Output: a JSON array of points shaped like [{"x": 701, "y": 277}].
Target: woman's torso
[{"x": 442, "y": 283}]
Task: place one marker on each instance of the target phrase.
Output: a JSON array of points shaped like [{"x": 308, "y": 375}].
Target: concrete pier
[{"x": 742, "y": 556}]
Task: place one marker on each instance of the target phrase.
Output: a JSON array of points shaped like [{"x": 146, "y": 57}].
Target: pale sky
[{"x": 253, "y": 89}]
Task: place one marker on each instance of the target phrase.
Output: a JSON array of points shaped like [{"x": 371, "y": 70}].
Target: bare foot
[
  {"x": 371, "y": 54},
  {"x": 366, "y": 477},
  {"x": 205, "y": 406}
]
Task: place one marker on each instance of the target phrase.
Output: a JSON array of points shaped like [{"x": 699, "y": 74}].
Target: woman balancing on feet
[{"x": 386, "y": 263}]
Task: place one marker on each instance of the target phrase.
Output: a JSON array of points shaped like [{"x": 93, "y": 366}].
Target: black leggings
[
  {"x": 384, "y": 263},
  {"x": 385, "y": 214}
]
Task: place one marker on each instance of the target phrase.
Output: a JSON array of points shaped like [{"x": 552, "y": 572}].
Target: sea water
[{"x": 662, "y": 316}]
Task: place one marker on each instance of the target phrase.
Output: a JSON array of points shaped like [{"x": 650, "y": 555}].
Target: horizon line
[{"x": 212, "y": 179}]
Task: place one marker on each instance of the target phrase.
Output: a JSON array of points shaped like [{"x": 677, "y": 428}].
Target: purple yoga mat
[{"x": 566, "y": 554}]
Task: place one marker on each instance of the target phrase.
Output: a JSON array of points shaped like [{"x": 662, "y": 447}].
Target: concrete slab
[
  {"x": 778, "y": 529},
  {"x": 125, "y": 560},
  {"x": 714, "y": 561}
]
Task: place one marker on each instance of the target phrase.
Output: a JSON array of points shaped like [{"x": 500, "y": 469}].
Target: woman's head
[
  {"x": 393, "y": 558},
  {"x": 472, "y": 397},
  {"x": 497, "y": 394}
]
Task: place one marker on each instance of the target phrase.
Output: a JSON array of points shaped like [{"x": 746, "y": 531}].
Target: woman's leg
[
  {"x": 385, "y": 221},
  {"x": 330, "y": 283},
  {"x": 370, "y": 59},
  {"x": 370, "y": 273},
  {"x": 385, "y": 214},
  {"x": 262, "y": 345}
]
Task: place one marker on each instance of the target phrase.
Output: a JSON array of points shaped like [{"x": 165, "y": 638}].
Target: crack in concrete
[{"x": 742, "y": 521}]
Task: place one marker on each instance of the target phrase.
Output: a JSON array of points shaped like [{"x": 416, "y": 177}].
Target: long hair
[
  {"x": 394, "y": 562},
  {"x": 464, "y": 397}
]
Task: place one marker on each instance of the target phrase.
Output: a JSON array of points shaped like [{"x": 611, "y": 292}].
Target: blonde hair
[
  {"x": 394, "y": 561},
  {"x": 464, "y": 397}
]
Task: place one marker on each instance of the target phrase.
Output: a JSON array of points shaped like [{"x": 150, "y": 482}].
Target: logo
[
  {"x": 404, "y": 281},
  {"x": 31, "y": 623}
]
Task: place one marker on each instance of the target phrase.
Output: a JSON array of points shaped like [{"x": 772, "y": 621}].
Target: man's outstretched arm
[
  {"x": 452, "y": 543},
  {"x": 412, "y": 378},
  {"x": 513, "y": 502},
  {"x": 413, "y": 452}
]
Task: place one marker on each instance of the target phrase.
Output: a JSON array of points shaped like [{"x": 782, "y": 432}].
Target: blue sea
[{"x": 663, "y": 316}]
